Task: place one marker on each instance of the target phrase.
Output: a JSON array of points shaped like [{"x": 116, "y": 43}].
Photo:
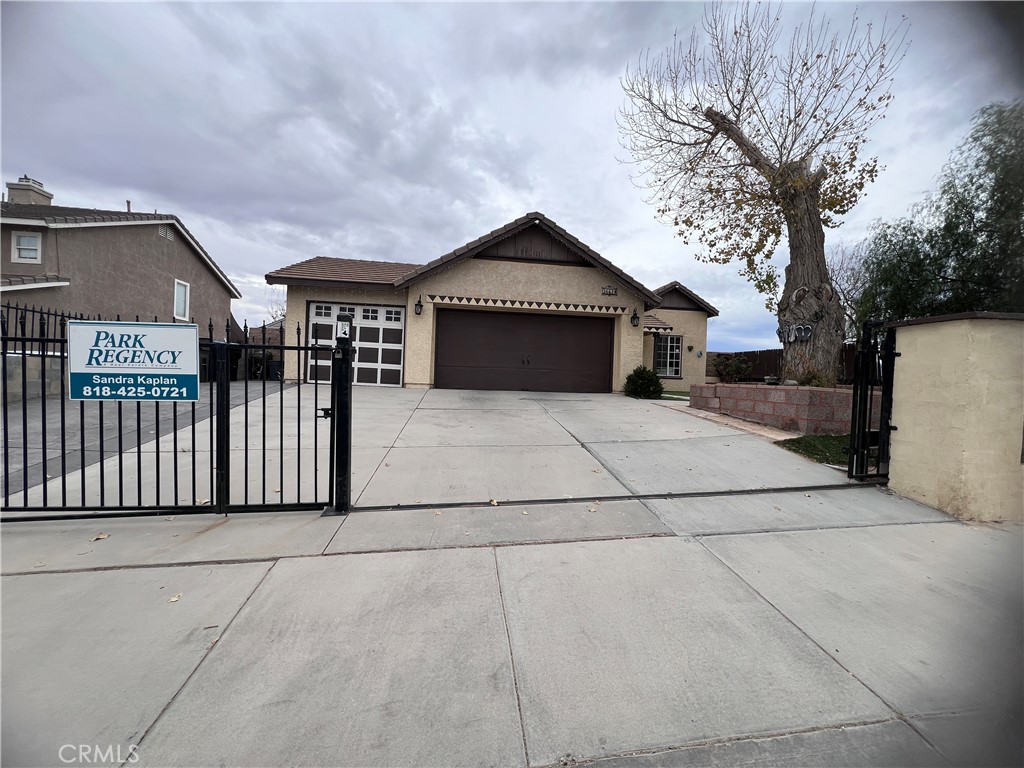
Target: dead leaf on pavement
[
  {"x": 172, "y": 517},
  {"x": 175, "y": 598},
  {"x": 525, "y": 512},
  {"x": 596, "y": 471},
  {"x": 591, "y": 509},
  {"x": 99, "y": 536},
  {"x": 437, "y": 511},
  {"x": 40, "y": 564},
  {"x": 807, "y": 495},
  {"x": 494, "y": 502}
]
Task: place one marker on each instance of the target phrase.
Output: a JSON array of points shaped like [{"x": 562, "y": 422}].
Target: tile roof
[
  {"x": 62, "y": 214},
  {"x": 65, "y": 216},
  {"x": 676, "y": 285},
  {"x": 342, "y": 270},
  {"x": 399, "y": 275},
  {"x": 655, "y": 323}
]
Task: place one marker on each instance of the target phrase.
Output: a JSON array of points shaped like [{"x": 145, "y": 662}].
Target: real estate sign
[{"x": 133, "y": 361}]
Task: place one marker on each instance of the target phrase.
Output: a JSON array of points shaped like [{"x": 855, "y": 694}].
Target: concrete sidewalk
[{"x": 841, "y": 626}]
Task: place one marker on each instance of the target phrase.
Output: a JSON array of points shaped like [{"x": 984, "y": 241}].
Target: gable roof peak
[
  {"x": 533, "y": 218},
  {"x": 675, "y": 285}
]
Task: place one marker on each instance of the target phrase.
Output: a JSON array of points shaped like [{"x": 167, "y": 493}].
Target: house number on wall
[
  {"x": 610, "y": 290},
  {"x": 793, "y": 333}
]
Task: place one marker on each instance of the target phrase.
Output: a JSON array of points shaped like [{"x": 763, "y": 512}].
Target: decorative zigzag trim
[{"x": 472, "y": 301}]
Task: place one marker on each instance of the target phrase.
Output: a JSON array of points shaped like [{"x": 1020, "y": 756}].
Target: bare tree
[
  {"x": 849, "y": 279},
  {"x": 741, "y": 138},
  {"x": 277, "y": 304}
]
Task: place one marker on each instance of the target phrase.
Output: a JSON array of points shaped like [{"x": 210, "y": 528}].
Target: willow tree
[{"x": 742, "y": 137}]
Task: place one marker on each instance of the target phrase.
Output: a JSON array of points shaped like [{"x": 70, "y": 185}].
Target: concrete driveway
[{"x": 650, "y": 589}]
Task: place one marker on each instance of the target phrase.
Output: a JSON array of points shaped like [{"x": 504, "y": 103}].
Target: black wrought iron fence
[
  {"x": 870, "y": 421},
  {"x": 252, "y": 441}
]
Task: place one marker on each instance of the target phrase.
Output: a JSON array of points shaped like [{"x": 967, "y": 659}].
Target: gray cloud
[{"x": 400, "y": 131}]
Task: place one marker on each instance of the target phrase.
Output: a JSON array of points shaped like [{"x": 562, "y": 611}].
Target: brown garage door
[{"x": 512, "y": 351}]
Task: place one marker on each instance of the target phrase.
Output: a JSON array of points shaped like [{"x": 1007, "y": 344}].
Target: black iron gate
[
  {"x": 259, "y": 438},
  {"x": 870, "y": 423}
]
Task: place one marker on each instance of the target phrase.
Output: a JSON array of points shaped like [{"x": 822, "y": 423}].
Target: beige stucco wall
[
  {"x": 492, "y": 279},
  {"x": 693, "y": 327},
  {"x": 958, "y": 405}
]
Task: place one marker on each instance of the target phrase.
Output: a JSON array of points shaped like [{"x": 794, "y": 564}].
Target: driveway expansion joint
[
  {"x": 511, "y": 656},
  {"x": 596, "y": 761},
  {"x": 615, "y": 497},
  {"x": 383, "y": 458},
  {"x": 205, "y": 656},
  {"x": 814, "y": 528},
  {"x": 898, "y": 715}
]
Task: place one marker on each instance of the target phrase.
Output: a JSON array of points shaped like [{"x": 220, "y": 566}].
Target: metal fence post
[
  {"x": 859, "y": 423},
  {"x": 223, "y": 451},
  {"x": 341, "y": 418}
]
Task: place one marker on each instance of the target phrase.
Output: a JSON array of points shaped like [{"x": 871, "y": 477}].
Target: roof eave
[{"x": 322, "y": 282}]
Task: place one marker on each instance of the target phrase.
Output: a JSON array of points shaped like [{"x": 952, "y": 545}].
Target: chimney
[{"x": 26, "y": 191}]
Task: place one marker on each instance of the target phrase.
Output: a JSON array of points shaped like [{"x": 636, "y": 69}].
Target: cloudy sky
[{"x": 278, "y": 132}]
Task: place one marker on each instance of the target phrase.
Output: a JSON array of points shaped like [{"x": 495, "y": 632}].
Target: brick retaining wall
[{"x": 808, "y": 410}]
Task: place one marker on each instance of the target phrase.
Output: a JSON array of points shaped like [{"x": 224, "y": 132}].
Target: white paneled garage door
[{"x": 378, "y": 342}]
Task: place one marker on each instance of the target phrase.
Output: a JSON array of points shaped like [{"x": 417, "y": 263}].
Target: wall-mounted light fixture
[
  {"x": 418, "y": 307},
  {"x": 634, "y": 320}
]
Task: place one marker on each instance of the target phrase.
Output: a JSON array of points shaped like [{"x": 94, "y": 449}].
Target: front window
[
  {"x": 26, "y": 247},
  {"x": 181, "y": 291},
  {"x": 668, "y": 356}
]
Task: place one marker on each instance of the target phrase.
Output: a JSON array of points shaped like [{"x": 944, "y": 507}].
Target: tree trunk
[{"x": 810, "y": 314}]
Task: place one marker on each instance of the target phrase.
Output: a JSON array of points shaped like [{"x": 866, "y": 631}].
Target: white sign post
[{"x": 133, "y": 361}]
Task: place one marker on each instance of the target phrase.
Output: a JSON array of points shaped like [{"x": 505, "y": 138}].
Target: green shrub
[
  {"x": 644, "y": 384},
  {"x": 730, "y": 368},
  {"x": 815, "y": 378}
]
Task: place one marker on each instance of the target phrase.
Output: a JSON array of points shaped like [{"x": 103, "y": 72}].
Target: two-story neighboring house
[{"x": 92, "y": 262}]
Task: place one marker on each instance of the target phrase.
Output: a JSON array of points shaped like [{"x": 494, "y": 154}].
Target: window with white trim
[
  {"x": 393, "y": 315},
  {"x": 26, "y": 247},
  {"x": 181, "y": 297},
  {"x": 668, "y": 356},
  {"x": 321, "y": 310},
  {"x": 369, "y": 314}
]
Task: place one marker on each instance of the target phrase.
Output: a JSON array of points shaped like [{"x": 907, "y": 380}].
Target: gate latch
[{"x": 325, "y": 413}]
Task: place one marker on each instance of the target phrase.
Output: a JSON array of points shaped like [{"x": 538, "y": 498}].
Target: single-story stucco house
[{"x": 525, "y": 307}]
